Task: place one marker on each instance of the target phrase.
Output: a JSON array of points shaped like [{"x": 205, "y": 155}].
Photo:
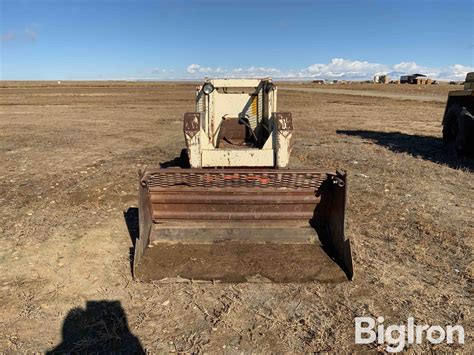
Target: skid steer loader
[{"x": 238, "y": 213}]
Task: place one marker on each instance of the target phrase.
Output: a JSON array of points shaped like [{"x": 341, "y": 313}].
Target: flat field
[{"x": 69, "y": 156}]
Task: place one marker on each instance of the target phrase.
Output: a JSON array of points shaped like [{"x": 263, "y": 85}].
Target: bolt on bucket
[{"x": 238, "y": 225}]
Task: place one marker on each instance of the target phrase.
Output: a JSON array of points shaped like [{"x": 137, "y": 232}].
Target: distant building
[
  {"x": 413, "y": 79},
  {"x": 381, "y": 79},
  {"x": 319, "y": 81}
]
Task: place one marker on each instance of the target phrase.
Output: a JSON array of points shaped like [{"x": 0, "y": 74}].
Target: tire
[
  {"x": 464, "y": 143},
  {"x": 451, "y": 125},
  {"x": 458, "y": 130}
]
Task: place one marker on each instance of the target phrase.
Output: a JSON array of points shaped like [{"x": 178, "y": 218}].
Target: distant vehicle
[
  {"x": 413, "y": 79},
  {"x": 458, "y": 121},
  {"x": 381, "y": 79}
]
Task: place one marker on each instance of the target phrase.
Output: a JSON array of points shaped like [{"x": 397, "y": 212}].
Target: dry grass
[{"x": 69, "y": 157}]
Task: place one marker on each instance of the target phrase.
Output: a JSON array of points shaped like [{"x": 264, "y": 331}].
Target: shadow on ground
[
  {"x": 425, "y": 147},
  {"x": 132, "y": 222},
  {"x": 101, "y": 327},
  {"x": 179, "y": 162}
]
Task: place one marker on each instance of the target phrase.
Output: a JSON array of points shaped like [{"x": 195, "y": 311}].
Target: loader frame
[
  {"x": 232, "y": 101},
  {"x": 238, "y": 200}
]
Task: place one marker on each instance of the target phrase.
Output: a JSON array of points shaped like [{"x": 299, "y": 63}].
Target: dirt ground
[{"x": 69, "y": 156}]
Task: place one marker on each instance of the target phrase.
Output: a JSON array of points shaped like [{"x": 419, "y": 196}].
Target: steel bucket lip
[{"x": 241, "y": 170}]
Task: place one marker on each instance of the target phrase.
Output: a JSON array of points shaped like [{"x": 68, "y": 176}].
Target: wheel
[
  {"x": 451, "y": 124},
  {"x": 464, "y": 143},
  {"x": 458, "y": 130}
]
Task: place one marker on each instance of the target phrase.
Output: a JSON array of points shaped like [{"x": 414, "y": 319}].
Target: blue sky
[{"x": 124, "y": 39}]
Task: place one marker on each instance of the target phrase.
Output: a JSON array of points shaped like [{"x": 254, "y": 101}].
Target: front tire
[
  {"x": 451, "y": 125},
  {"x": 458, "y": 130},
  {"x": 465, "y": 142}
]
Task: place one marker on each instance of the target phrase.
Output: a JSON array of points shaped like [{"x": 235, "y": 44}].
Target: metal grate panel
[{"x": 222, "y": 179}]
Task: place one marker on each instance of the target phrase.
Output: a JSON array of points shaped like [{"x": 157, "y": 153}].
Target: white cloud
[
  {"x": 193, "y": 68},
  {"x": 458, "y": 71},
  {"x": 336, "y": 68},
  {"x": 196, "y": 70},
  {"x": 362, "y": 70},
  {"x": 340, "y": 67},
  {"x": 407, "y": 67}
]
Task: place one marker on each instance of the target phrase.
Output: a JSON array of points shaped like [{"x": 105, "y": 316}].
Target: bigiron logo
[{"x": 398, "y": 336}]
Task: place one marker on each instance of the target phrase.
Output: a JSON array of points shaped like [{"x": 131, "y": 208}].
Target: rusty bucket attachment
[{"x": 238, "y": 225}]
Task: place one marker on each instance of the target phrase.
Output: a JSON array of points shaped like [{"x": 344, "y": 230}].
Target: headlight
[{"x": 208, "y": 88}]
